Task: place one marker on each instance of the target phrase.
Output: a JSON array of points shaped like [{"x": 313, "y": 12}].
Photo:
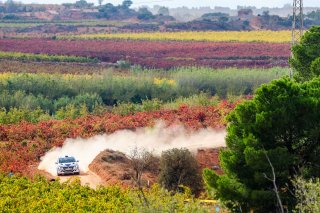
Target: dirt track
[{"x": 89, "y": 178}]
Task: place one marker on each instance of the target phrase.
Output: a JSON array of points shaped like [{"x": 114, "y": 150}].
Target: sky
[{"x": 191, "y": 3}]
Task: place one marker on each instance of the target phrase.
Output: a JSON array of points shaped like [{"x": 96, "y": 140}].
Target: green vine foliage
[{"x": 20, "y": 194}]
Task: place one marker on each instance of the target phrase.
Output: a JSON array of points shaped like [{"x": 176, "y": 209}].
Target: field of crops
[
  {"x": 39, "y": 195},
  {"x": 213, "y": 36},
  {"x": 156, "y": 54},
  {"x": 35, "y": 23},
  {"x": 44, "y": 57},
  {"x": 14, "y": 66},
  {"x": 181, "y": 82}
]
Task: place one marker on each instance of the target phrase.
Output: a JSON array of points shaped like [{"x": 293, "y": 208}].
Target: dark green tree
[
  {"x": 126, "y": 4},
  {"x": 281, "y": 123},
  {"x": 108, "y": 10},
  {"x": 83, "y": 4},
  {"x": 11, "y": 6},
  {"x": 121, "y": 11},
  {"x": 163, "y": 11},
  {"x": 245, "y": 25},
  {"x": 144, "y": 14},
  {"x": 100, "y": 2},
  {"x": 305, "y": 53},
  {"x": 179, "y": 167},
  {"x": 315, "y": 67},
  {"x": 314, "y": 17}
]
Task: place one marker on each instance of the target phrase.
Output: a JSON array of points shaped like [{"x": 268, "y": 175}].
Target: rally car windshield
[{"x": 67, "y": 160}]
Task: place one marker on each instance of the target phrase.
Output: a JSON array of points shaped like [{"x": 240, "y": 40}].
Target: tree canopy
[
  {"x": 305, "y": 54},
  {"x": 280, "y": 123},
  {"x": 121, "y": 11},
  {"x": 163, "y": 11},
  {"x": 144, "y": 14}
]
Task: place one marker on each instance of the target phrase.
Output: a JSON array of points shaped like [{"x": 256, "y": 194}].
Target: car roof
[{"x": 66, "y": 157}]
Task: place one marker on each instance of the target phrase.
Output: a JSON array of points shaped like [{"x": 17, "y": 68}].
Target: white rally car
[{"x": 67, "y": 165}]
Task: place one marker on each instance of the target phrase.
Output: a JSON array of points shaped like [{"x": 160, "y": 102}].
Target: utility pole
[{"x": 297, "y": 25}]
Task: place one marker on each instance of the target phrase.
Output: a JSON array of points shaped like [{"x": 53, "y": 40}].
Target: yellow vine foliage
[
  {"x": 164, "y": 81},
  {"x": 5, "y": 76},
  {"x": 8, "y": 75},
  {"x": 212, "y": 36}
]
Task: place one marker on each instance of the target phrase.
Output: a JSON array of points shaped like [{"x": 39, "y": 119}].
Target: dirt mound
[{"x": 115, "y": 168}]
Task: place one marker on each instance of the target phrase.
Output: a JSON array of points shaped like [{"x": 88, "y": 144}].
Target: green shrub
[
  {"x": 15, "y": 115},
  {"x": 307, "y": 193},
  {"x": 202, "y": 99},
  {"x": 122, "y": 64},
  {"x": 125, "y": 108},
  {"x": 71, "y": 111},
  {"x": 179, "y": 167},
  {"x": 150, "y": 105}
]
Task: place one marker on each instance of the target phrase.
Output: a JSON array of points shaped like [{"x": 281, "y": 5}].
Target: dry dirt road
[{"x": 90, "y": 179}]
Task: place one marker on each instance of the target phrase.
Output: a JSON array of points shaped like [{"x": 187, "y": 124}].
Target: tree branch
[{"x": 273, "y": 180}]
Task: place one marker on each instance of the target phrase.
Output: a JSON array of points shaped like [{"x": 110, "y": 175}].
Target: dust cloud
[{"x": 156, "y": 140}]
